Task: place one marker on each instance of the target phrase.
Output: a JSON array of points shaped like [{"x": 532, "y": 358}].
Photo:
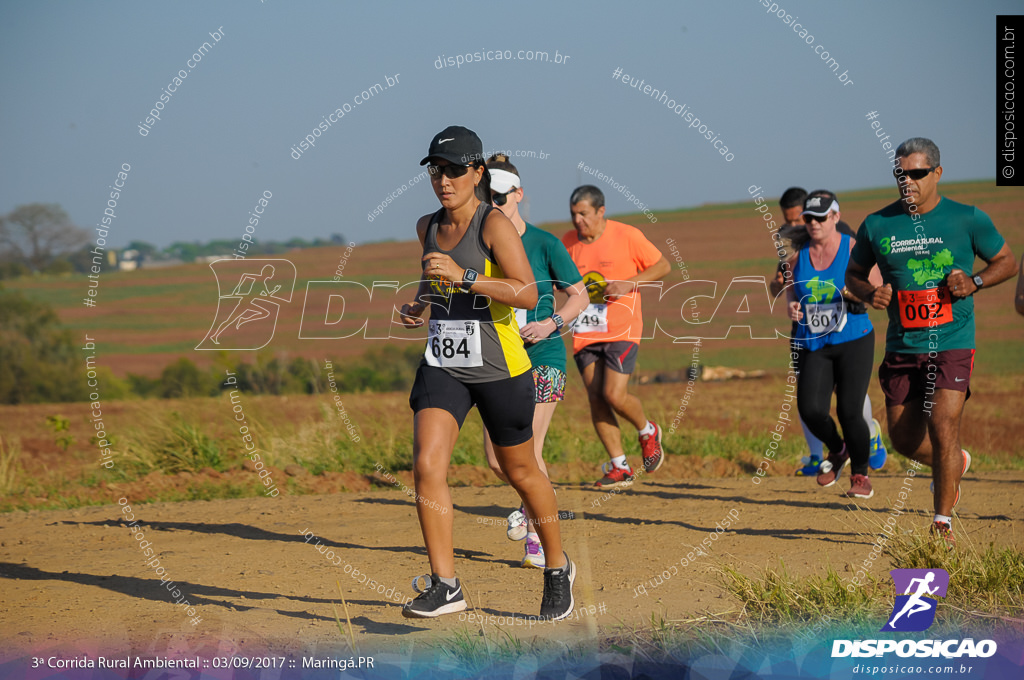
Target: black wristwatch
[
  {"x": 977, "y": 282},
  {"x": 559, "y": 321},
  {"x": 468, "y": 279}
]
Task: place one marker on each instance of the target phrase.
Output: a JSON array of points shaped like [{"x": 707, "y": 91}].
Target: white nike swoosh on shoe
[{"x": 448, "y": 597}]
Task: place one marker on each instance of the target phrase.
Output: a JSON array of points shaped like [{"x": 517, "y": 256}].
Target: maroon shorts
[{"x": 905, "y": 377}]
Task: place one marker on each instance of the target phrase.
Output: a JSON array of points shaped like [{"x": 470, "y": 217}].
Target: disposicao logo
[{"x": 914, "y": 611}]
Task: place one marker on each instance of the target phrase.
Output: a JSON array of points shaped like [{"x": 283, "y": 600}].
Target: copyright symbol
[{"x": 1008, "y": 171}]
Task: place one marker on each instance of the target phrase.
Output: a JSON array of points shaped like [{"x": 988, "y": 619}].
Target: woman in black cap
[{"x": 475, "y": 272}]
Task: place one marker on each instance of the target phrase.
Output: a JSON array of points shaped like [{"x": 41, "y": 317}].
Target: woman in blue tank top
[{"x": 834, "y": 343}]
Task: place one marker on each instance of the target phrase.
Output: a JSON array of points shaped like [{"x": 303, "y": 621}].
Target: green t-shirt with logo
[
  {"x": 552, "y": 268},
  {"x": 917, "y": 255}
]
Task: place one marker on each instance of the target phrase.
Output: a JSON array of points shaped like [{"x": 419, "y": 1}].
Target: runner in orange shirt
[{"x": 613, "y": 258}]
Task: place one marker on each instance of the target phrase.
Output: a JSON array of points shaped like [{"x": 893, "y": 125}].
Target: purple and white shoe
[{"x": 534, "y": 554}]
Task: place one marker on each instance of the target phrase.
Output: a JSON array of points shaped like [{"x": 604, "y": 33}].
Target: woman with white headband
[{"x": 541, "y": 329}]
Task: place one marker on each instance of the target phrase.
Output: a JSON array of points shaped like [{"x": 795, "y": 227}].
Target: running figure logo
[
  {"x": 913, "y": 610},
  {"x": 254, "y": 302}
]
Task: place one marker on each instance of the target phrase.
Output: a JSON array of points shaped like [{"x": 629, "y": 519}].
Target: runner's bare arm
[
  {"x": 781, "y": 279},
  {"x": 575, "y": 304},
  {"x": 859, "y": 283},
  {"x": 874, "y": 277},
  {"x": 793, "y": 310},
  {"x": 1000, "y": 268},
  {"x": 655, "y": 272},
  {"x": 411, "y": 313},
  {"x": 779, "y": 282},
  {"x": 517, "y": 289}
]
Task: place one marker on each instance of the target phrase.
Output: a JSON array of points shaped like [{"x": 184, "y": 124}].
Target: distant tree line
[
  {"x": 41, "y": 362},
  {"x": 40, "y": 238}
]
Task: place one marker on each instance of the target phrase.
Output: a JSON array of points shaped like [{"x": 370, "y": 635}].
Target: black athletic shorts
[
  {"x": 620, "y": 355},
  {"x": 506, "y": 406}
]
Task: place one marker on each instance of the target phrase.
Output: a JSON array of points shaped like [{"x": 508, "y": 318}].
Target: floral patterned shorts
[{"x": 548, "y": 384}]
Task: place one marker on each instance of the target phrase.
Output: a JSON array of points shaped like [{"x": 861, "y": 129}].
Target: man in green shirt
[{"x": 923, "y": 245}]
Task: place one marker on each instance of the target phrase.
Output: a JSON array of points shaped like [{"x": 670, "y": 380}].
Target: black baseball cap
[
  {"x": 456, "y": 144},
  {"x": 820, "y": 203}
]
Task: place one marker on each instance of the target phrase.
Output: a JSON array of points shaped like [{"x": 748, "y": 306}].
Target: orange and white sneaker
[{"x": 967, "y": 466}]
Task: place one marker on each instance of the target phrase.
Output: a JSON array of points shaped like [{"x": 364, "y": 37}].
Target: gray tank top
[{"x": 472, "y": 337}]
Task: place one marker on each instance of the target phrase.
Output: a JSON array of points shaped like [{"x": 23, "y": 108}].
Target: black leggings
[{"x": 845, "y": 368}]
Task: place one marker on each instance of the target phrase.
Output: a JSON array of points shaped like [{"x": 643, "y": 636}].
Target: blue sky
[{"x": 78, "y": 78}]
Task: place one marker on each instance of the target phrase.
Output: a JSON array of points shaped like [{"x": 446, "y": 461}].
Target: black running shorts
[{"x": 506, "y": 406}]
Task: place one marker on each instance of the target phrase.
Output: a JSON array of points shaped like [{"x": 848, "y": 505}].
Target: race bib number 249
[{"x": 593, "y": 319}]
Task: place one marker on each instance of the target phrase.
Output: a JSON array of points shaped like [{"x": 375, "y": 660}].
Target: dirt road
[{"x": 78, "y": 580}]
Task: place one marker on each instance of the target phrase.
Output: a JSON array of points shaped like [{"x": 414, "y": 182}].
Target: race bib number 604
[
  {"x": 454, "y": 344},
  {"x": 925, "y": 308}
]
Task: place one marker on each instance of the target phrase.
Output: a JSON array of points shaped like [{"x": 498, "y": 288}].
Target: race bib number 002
[
  {"x": 454, "y": 344},
  {"x": 825, "y": 318},
  {"x": 593, "y": 319},
  {"x": 925, "y": 308}
]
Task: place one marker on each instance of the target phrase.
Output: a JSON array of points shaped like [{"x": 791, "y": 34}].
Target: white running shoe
[{"x": 516, "y": 525}]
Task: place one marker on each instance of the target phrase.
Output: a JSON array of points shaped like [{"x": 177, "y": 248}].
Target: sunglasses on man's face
[
  {"x": 501, "y": 199},
  {"x": 916, "y": 174},
  {"x": 449, "y": 171},
  {"x": 816, "y": 218}
]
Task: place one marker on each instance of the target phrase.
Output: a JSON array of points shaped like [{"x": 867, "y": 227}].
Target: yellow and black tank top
[{"x": 472, "y": 337}]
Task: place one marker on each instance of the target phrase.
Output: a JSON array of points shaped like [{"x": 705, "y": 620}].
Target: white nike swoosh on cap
[
  {"x": 452, "y": 594},
  {"x": 442, "y": 141}
]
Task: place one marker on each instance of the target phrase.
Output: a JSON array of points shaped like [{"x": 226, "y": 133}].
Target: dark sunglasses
[
  {"x": 816, "y": 218},
  {"x": 450, "y": 171},
  {"x": 501, "y": 199},
  {"x": 916, "y": 174}
]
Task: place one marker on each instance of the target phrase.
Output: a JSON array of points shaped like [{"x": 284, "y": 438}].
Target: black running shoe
[
  {"x": 434, "y": 600},
  {"x": 557, "y": 602}
]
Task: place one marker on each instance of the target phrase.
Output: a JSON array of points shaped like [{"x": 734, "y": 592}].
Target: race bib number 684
[{"x": 454, "y": 344}]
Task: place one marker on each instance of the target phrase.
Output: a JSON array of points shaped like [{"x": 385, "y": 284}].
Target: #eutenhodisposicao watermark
[
  {"x": 153, "y": 562},
  {"x": 103, "y": 228},
  {"x": 680, "y": 109}
]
